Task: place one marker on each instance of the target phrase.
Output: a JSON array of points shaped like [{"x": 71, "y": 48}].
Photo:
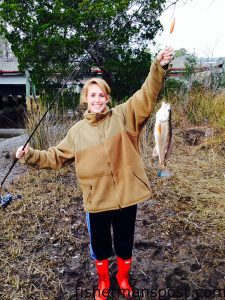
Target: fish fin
[
  {"x": 155, "y": 152},
  {"x": 170, "y": 149},
  {"x": 159, "y": 129}
]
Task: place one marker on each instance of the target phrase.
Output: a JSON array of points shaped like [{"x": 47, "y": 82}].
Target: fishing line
[
  {"x": 70, "y": 77},
  {"x": 174, "y": 9}
]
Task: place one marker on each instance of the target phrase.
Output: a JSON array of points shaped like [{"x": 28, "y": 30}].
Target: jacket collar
[{"x": 95, "y": 119}]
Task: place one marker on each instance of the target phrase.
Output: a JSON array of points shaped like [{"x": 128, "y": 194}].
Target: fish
[{"x": 163, "y": 136}]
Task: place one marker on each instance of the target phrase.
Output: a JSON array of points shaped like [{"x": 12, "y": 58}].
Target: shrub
[{"x": 51, "y": 130}]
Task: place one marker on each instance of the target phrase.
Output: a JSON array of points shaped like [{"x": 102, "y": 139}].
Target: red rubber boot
[
  {"x": 123, "y": 276},
  {"x": 103, "y": 279}
]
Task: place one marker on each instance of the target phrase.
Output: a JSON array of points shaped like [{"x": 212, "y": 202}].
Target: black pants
[{"x": 123, "y": 225}]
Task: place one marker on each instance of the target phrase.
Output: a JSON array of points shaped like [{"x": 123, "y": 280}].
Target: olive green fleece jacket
[{"x": 105, "y": 149}]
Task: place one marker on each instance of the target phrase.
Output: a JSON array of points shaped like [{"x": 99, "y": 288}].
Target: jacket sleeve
[
  {"x": 55, "y": 157},
  {"x": 137, "y": 109}
]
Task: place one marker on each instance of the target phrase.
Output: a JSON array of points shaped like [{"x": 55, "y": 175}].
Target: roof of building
[
  {"x": 179, "y": 62},
  {"x": 9, "y": 66}
]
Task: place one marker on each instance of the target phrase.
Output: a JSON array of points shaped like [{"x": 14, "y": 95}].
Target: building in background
[
  {"x": 203, "y": 70},
  {"x": 12, "y": 88}
]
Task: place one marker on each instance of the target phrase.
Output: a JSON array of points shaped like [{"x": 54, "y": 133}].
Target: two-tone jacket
[{"x": 105, "y": 149}]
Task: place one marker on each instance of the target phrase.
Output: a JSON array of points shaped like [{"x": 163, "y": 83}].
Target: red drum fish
[{"x": 163, "y": 138}]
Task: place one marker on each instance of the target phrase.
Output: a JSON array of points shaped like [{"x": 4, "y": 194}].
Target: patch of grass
[
  {"x": 52, "y": 129},
  {"x": 44, "y": 240},
  {"x": 198, "y": 107},
  {"x": 36, "y": 235},
  {"x": 205, "y": 107}
]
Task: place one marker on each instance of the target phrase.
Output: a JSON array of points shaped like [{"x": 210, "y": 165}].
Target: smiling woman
[
  {"x": 109, "y": 168},
  {"x": 96, "y": 99},
  {"x": 96, "y": 94}
]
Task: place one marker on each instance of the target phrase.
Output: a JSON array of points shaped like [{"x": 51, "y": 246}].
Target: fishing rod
[{"x": 70, "y": 77}]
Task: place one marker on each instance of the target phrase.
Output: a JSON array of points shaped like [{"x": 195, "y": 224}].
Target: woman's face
[{"x": 96, "y": 99}]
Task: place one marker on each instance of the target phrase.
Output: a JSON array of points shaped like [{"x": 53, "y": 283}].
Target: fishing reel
[{"x": 7, "y": 199}]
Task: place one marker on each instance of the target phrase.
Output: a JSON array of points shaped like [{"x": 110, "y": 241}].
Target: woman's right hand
[
  {"x": 165, "y": 56},
  {"x": 20, "y": 152}
]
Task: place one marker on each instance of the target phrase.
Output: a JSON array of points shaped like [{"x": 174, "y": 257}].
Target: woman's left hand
[{"x": 165, "y": 56}]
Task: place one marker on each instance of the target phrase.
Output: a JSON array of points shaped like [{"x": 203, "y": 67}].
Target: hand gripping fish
[{"x": 163, "y": 138}]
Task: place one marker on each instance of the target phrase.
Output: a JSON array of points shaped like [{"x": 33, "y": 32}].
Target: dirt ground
[
  {"x": 179, "y": 248},
  {"x": 7, "y": 154}
]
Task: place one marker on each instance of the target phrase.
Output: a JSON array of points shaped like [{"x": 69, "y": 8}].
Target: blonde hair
[{"x": 100, "y": 82}]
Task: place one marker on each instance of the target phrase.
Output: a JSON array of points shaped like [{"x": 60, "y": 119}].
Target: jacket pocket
[{"x": 143, "y": 180}]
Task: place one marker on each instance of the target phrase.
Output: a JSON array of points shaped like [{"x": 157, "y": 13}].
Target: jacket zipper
[
  {"x": 112, "y": 179},
  {"x": 97, "y": 117}
]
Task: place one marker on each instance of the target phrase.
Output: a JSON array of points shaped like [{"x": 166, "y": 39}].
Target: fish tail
[{"x": 164, "y": 172}]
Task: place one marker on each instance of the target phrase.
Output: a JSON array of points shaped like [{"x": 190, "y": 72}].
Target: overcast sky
[{"x": 199, "y": 27}]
